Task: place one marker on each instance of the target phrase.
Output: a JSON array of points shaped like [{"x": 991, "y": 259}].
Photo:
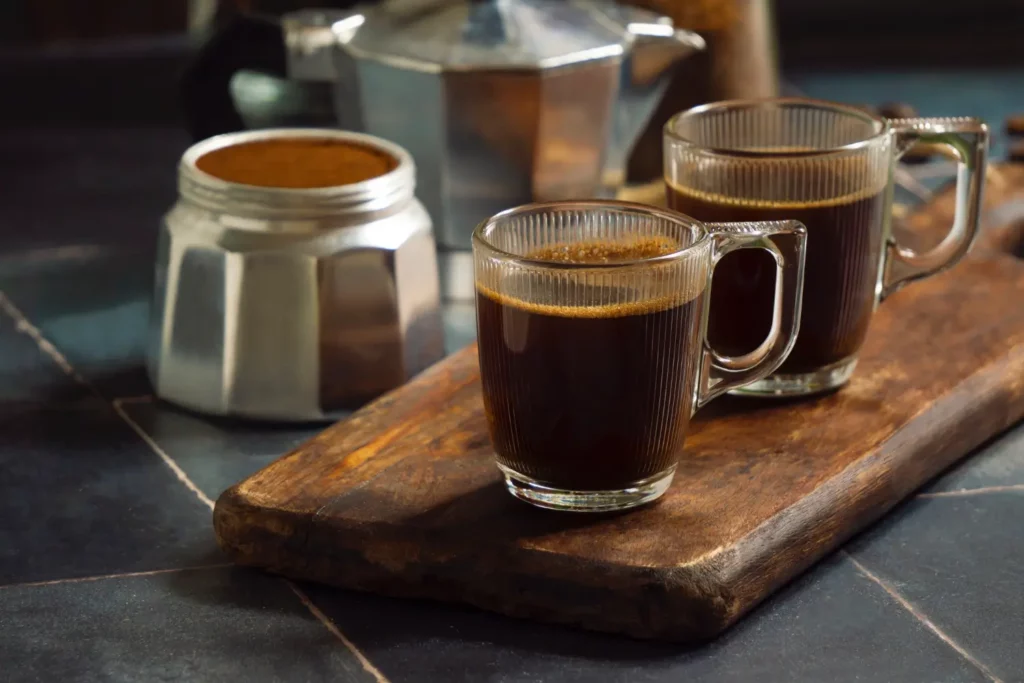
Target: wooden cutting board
[{"x": 403, "y": 498}]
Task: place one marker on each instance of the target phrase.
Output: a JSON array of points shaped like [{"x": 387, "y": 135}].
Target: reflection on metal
[
  {"x": 266, "y": 101},
  {"x": 501, "y": 102},
  {"x": 200, "y": 16}
]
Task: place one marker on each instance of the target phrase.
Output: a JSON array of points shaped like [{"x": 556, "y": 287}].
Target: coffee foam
[
  {"x": 596, "y": 252},
  {"x": 599, "y": 252}
]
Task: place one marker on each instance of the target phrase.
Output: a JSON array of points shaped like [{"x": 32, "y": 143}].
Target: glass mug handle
[
  {"x": 968, "y": 139},
  {"x": 718, "y": 373}
]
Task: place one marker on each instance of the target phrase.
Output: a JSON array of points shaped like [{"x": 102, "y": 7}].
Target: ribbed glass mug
[
  {"x": 590, "y": 324},
  {"x": 830, "y": 167}
]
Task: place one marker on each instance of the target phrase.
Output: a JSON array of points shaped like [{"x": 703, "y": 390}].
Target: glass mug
[
  {"x": 830, "y": 167},
  {"x": 590, "y": 330}
]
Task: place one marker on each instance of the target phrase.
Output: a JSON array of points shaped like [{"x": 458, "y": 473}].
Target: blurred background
[
  {"x": 115, "y": 68},
  {"x": 56, "y": 52},
  {"x": 896, "y": 28}
]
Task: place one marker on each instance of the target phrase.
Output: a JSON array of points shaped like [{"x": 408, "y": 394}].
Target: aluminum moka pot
[
  {"x": 292, "y": 304},
  {"x": 500, "y": 102}
]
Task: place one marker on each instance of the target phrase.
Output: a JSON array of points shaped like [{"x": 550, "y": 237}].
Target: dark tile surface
[
  {"x": 93, "y": 305},
  {"x": 78, "y": 230},
  {"x": 204, "y": 625},
  {"x": 959, "y": 561},
  {"x": 216, "y": 453},
  {"x": 832, "y": 625},
  {"x": 81, "y": 494},
  {"x": 998, "y": 463}
]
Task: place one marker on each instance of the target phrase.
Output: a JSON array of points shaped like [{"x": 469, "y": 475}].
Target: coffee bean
[
  {"x": 1015, "y": 125},
  {"x": 897, "y": 110},
  {"x": 866, "y": 108},
  {"x": 1017, "y": 151}
]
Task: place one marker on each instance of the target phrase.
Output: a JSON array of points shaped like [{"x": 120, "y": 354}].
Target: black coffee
[
  {"x": 587, "y": 397},
  {"x": 844, "y": 246}
]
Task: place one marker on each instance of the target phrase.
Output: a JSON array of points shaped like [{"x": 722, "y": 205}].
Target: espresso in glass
[
  {"x": 831, "y": 168},
  {"x": 571, "y": 389},
  {"x": 844, "y": 242},
  {"x": 590, "y": 336}
]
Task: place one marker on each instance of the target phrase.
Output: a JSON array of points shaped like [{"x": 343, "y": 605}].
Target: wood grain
[{"x": 403, "y": 497}]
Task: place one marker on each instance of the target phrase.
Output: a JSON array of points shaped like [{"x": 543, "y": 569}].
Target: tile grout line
[
  {"x": 124, "y": 575},
  {"x": 25, "y": 327},
  {"x": 49, "y": 255},
  {"x": 924, "y": 620},
  {"x": 178, "y": 472},
  {"x": 303, "y": 598},
  {"x": 333, "y": 628},
  {"x": 960, "y": 493}
]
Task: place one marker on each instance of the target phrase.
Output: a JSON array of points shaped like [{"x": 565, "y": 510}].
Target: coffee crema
[
  {"x": 592, "y": 396},
  {"x": 297, "y": 163},
  {"x": 593, "y": 252},
  {"x": 844, "y": 247}
]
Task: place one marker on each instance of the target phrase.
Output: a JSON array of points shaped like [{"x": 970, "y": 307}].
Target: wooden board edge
[
  {"x": 361, "y": 559},
  {"x": 889, "y": 475},
  {"x": 711, "y": 590},
  {"x": 257, "y": 534}
]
